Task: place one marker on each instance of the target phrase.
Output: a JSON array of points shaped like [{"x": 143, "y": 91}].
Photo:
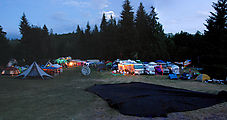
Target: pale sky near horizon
[{"x": 64, "y": 15}]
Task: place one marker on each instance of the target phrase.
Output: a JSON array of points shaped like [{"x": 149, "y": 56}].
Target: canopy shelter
[
  {"x": 184, "y": 64},
  {"x": 34, "y": 71}
]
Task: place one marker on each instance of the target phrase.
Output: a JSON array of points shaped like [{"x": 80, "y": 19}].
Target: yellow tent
[{"x": 202, "y": 77}]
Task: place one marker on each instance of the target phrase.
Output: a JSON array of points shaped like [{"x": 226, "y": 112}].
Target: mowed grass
[{"x": 65, "y": 98}]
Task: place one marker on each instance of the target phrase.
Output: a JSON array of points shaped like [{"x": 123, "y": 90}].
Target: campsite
[
  {"x": 65, "y": 96},
  {"x": 113, "y": 60}
]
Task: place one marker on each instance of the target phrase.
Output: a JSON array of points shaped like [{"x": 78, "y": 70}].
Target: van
[{"x": 139, "y": 69}]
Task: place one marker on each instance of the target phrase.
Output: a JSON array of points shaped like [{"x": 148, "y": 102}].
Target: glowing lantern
[{"x": 71, "y": 64}]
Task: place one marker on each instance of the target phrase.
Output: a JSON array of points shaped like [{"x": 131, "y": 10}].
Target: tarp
[
  {"x": 34, "y": 71},
  {"x": 173, "y": 76},
  {"x": 185, "y": 63},
  {"x": 149, "y": 100}
]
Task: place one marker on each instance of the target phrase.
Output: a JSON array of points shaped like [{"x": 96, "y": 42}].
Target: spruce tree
[
  {"x": 80, "y": 49},
  {"x": 46, "y": 43},
  {"x": 26, "y": 40},
  {"x": 142, "y": 38},
  {"x": 216, "y": 23},
  {"x": 127, "y": 18},
  {"x": 127, "y": 30},
  {"x": 96, "y": 30},
  {"x": 103, "y": 25},
  {"x": 79, "y": 33},
  {"x": 112, "y": 24},
  {"x": 157, "y": 36},
  {"x": 4, "y": 47},
  {"x": 216, "y": 33},
  {"x": 87, "y": 31},
  {"x": 24, "y": 25},
  {"x": 2, "y": 36}
]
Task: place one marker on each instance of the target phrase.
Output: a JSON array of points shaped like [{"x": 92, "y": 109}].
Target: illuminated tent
[
  {"x": 175, "y": 69},
  {"x": 61, "y": 61},
  {"x": 34, "y": 71},
  {"x": 10, "y": 71},
  {"x": 48, "y": 64}
]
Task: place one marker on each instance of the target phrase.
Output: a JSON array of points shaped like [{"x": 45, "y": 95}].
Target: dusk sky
[{"x": 64, "y": 15}]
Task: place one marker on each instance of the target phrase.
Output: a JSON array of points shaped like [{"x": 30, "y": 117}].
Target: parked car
[
  {"x": 164, "y": 68},
  {"x": 149, "y": 70},
  {"x": 138, "y": 68}
]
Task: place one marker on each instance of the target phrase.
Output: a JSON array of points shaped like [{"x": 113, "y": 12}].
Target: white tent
[
  {"x": 48, "y": 64},
  {"x": 175, "y": 69},
  {"x": 152, "y": 63},
  {"x": 34, "y": 71}
]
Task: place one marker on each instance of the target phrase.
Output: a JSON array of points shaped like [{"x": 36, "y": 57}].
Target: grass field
[{"x": 64, "y": 98}]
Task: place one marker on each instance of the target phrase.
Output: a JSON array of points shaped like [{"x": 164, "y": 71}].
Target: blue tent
[
  {"x": 159, "y": 61},
  {"x": 173, "y": 76},
  {"x": 49, "y": 68}
]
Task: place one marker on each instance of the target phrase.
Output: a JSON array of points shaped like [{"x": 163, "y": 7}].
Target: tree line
[{"x": 134, "y": 36}]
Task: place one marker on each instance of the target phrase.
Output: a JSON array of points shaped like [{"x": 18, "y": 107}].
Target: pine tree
[
  {"x": 2, "y": 36},
  {"x": 24, "y": 25},
  {"x": 4, "y": 47},
  {"x": 157, "y": 36},
  {"x": 127, "y": 18},
  {"x": 80, "y": 49},
  {"x": 26, "y": 40},
  {"x": 112, "y": 24},
  {"x": 216, "y": 23},
  {"x": 96, "y": 30},
  {"x": 46, "y": 44},
  {"x": 79, "y": 32},
  {"x": 216, "y": 33},
  {"x": 141, "y": 17},
  {"x": 142, "y": 39},
  {"x": 153, "y": 19},
  {"x": 94, "y": 53},
  {"x": 103, "y": 25},
  {"x": 127, "y": 31},
  {"x": 87, "y": 31}
]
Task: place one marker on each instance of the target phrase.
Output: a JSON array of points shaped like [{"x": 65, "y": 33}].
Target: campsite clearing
[{"x": 64, "y": 97}]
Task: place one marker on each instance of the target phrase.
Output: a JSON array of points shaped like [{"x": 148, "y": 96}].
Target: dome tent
[
  {"x": 202, "y": 77},
  {"x": 48, "y": 64}
]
